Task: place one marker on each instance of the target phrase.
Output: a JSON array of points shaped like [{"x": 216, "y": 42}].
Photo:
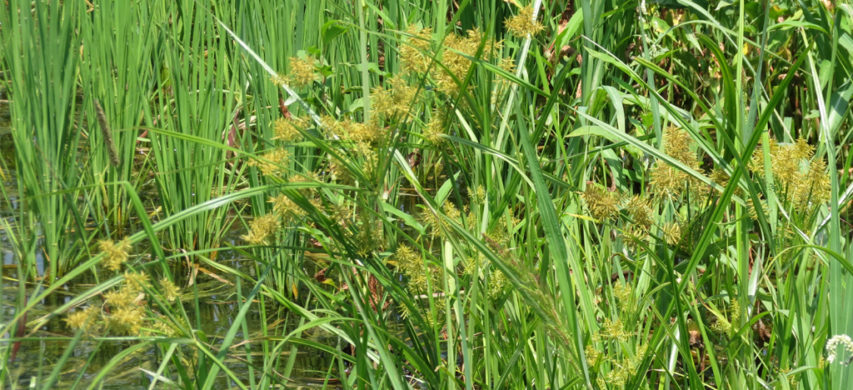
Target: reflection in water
[{"x": 37, "y": 355}]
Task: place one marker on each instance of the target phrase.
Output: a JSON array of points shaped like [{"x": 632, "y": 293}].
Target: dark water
[{"x": 35, "y": 357}]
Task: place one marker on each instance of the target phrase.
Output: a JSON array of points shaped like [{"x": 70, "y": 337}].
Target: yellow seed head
[
  {"x": 497, "y": 283},
  {"x": 414, "y": 268},
  {"x": 667, "y": 181},
  {"x": 286, "y": 208},
  {"x": 302, "y": 71},
  {"x": 671, "y": 233},
  {"x": 170, "y": 291},
  {"x": 415, "y": 53},
  {"x": 640, "y": 211},
  {"x": 434, "y": 129},
  {"x": 803, "y": 181},
  {"x": 592, "y": 355},
  {"x": 115, "y": 254},
  {"x": 261, "y": 228},
  {"x": 287, "y": 130},
  {"x": 451, "y": 211},
  {"x": 162, "y": 326},
  {"x": 624, "y": 296},
  {"x": 614, "y": 330},
  {"x": 819, "y": 182},
  {"x": 455, "y": 58},
  {"x": 670, "y": 181},
  {"x": 279, "y": 79},
  {"x": 271, "y": 163},
  {"x": 396, "y": 100},
  {"x": 135, "y": 282},
  {"x": 125, "y": 296},
  {"x": 126, "y": 320},
  {"x": 600, "y": 203},
  {"x": 361, "y": 133},
  {"x": 83, "y": 319},
  {"x": 523, "y": 23},
  {"x": 633, "y": 235}
]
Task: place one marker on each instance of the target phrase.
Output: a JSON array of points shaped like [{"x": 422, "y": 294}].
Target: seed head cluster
[
  {"x": 171, "y": 292},
  {"x": 288, "y": 129},
  {"x": 670, "y": 181},
  {"x": 418, "y": 274},
  {"x": 434, "y": 129},
  {"x": 123, "y": 311},
  {"x": 800, "y": 177},
  {"x": 601, "y": 203},
  {"x": 261, "y": 229},
  {"x": 302, "y": 71},
  {"x": 454, "y": 56},
  {"x": 367, "y": 134},
  {"x": 640, "y": 210},
  {"x": 396, "y": 99},
  {"x": 85, "y": 319},
  {"x": 115, "y": 253},
  {"x": 523, "y": 23},
  {"x": 415, "y": 52},
  {"x": 285, "y": 208},
  {"x": 272, "y": 163}
]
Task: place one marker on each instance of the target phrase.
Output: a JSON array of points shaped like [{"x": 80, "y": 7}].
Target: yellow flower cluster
[
  {"x": 115, "y": 253},
  {"x": 640, "y": 211},
  {"x": 434, "y": 222},
  {"x": 123, "y": 310},
  {"x": 523, "y": 23},
  {"x": 273, "y": 162},
  {"x": 261, "y": 228},
  {"x": 671, "y": 233},
  {"x": 668, "y": 180},
  {"x": 302, "y": 71},
  {"x": 85, "y": 319},
  {"x": 623, "y": 294},
  {"x": 287, "y": 129},
  {"x": 600, "y": 203},
  {"x": 434, "y": 129},
  {"x": 415, "y": 54},
  {"x": 415, "y": 269},
  {"x": 362, "y": 142},
  {"x": 455, "y": 58},
  {"x": 395, "y": 100},
  {"x": 802, "y": 179},
  {"x": 347, "y": 129},
  {"x": 126, "y": 319},
  {"x": 623, "y": 369},
  {"x": 126, "y": 311},
  {"x": 136, "y": 281},
  {"x": 454, "y": 55},
  {"x": 170, "y": 291},
  {"x": 284, "y": 207}
]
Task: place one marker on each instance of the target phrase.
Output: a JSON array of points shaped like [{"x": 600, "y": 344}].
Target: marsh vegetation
[{"x": 426, "y": 194}]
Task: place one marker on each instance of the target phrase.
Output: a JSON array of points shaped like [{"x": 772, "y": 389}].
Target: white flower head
[{"x": 839, "y": 340}]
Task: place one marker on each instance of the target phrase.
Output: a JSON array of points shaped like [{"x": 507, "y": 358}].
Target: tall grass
[
  {"x": 117, "y": 75},
  {"x": 435, "y": 194},
  {"x": 42, "y": 65}
]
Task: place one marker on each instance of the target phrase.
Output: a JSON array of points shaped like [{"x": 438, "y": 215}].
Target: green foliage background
[{"x": 427, "y": 194}]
